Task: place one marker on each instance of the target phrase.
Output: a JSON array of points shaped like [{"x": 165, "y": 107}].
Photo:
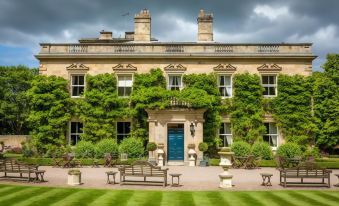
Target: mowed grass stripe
[
  {"x": 306, "y": 199},
  {"x": 80, "y": 197},
  {"x": 23, "y": 198},
  {"x": 154, "y": 198},
  {"x": 215, "y": 198},
  {"x": 333, "y": 196},
  {"x": 176, "y": 198},
  {"x": 5, "y": 189},
  {"x": 114, "y": 197},
  {"x": 277, "y": 199},
  {"x": 39, "y": 198},
  {"x": 60, "y": 195},
  {"x": 16, "y": 193},
  {"x": 145, "y": 198},
  {"x": 248, "y": 199}
]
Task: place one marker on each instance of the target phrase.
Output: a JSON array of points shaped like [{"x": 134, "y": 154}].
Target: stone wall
[{"x": 13, "y": 140}]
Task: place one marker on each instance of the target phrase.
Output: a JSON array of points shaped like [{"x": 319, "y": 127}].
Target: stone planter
[
  {"x": 74, "y": 177},
  {"x": 191, "y": 157},
  {"x": 225, "y": 163}
]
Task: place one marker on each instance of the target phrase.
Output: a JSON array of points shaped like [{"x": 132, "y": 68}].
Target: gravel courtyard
[{"x": 193, "y": 178}]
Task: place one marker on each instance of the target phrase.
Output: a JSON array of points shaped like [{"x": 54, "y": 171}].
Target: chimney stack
[
  {"x": 142, "y": 26},
  {"x": 105, "y": 35},
  {"x": 205, "y": 27}
]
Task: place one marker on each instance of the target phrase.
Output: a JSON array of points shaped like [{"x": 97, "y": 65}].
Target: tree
[
  {"x": 331, "y": 67},
  {"x": 50, "y": 111},
  {"x": 14, "y": 108}
]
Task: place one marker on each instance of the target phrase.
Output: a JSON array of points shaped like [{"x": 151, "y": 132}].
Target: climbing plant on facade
[
  {"x": 247, "y": 110},
  {"x": 50, "y": 111},
  {"x": 101, "y": 107}
]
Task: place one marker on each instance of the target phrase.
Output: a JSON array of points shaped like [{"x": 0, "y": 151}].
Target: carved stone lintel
[
  {"x": 269, "y": 67},
  {"x": 128, "y": 67},
  {"x": 175, "y": 68},
  {"x": 225, "y": 68},
  {"x": 77, "y": 66}
]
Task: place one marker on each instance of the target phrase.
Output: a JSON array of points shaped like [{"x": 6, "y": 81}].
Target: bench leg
[{"x": 285, "y": 181}]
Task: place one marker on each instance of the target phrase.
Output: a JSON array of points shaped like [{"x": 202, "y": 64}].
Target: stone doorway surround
[{"x": 159, "y": 119}]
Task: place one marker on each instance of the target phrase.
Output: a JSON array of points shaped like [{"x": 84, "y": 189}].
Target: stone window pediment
[
  {"x": 77, "y": 66},
  {"x": 225, "y": 68},
  {"x": 269, "y": 68},
  {"x": 124, "y": 68},
  {"x": 175, "y": 68}
]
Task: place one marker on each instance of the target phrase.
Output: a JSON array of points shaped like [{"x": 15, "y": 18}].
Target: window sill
[
  {"x": 76, "y": 97},
  {"x": 270, "y": 96}
]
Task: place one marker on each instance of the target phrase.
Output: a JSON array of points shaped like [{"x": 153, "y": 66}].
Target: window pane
[
  {"x": 271, "y": 90},
  {"x": 222, "y": 91},
  {"x": 121, "y": 91},
  {"x": 228, "y": 128},
  {"x": 73, "y": 127},
  {"x": 80, "y": 126},
  {"x": 264, "y": 79},
  {"x": 222, "y": 129},
  {"x": 273, "y": 129},
  {"x": 128, "y": 91},
  {"x": 267, "y": 126},
  {"x": 229, "y": 140},
  {"x": 81, "y": 80},
  {"x": 229, "y": 91},
  {"x": 227, "y": 80},
  {"x": 221, "y": 80},
  {"x": 75, "y": 80},
  {"x": 80, "y": 90},
  {"x": 272, "y": 79},
  {"x": 266, "y": 138},
  {"x": 73, "y": 140},
  {"x": 265, "y": 91},
  {"x": 120, "y": 127}
]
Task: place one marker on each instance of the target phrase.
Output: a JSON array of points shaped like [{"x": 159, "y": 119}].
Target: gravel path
[{"x": 193, "y": 178}]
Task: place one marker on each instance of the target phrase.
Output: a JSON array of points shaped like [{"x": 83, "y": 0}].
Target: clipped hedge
[
  {"x": 241, "y": 148},
  {"x": 263, "y": 150},
  {"x": 84, "y": 149},
  {"x": 106, "y": 146},
  {"x": 289, "y": 150},
  {"x": 134, "y": 147}
]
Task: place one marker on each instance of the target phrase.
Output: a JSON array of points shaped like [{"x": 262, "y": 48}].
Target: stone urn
[
  {"x": 191, "y": 157},
  {"x": 160, "y": 152},
  {"x": 74, "y": 177},
  {"x": 225, "y": 162}
]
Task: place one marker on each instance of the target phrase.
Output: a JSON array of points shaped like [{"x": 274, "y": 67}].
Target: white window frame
[
  {"x": 225, "y": 135},
  {"x": 123, "y": 134},
  {"x": 275, "y": 86},
  {"x": 78, "y": 85},
  {"x": 272, "y": 135},
  {"x": 124, "y": 75},
  {"x": 76, "y": 133},
  {"x": 226, "y": 86},
  {"x": 169, "y": 86}
]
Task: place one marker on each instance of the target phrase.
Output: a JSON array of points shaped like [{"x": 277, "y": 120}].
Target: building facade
[{"x": 138, "y": 52}]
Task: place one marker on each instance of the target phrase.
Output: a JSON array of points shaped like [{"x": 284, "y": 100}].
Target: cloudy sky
[{"x": 25, "y": 23}]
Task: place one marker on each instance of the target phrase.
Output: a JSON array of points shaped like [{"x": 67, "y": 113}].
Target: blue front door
[{"x": 175, "y": 143}]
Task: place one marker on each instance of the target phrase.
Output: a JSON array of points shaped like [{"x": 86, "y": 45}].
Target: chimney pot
[{"x": 205, "y": 27}]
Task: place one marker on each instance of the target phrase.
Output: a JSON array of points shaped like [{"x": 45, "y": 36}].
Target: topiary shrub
[
  {"x": 312, "y": 152},
  {"x": 203, "y": 146},
  {"x": 263, "y": 150},
  {"x": 106, "y": 146},
  {"x": 134, "y": 147},
  {"x": 84, "y": 149},
  {"x": 151, "y": 146},
  {"x": 289, "y": 150},
  {"x": 241, "y": 148}
]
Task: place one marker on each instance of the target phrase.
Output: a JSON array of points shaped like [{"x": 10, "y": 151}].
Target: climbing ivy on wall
[
  {"x": 247, "y": 110},
  {"x": 101, "y": 107},
  {"x": 292, "y": 108},
  {"x": 50, "y": 111}
]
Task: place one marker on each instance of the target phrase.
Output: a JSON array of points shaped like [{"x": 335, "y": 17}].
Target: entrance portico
[{"x": 172, "y": 128}]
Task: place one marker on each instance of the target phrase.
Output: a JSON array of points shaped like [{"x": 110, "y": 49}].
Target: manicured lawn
[{"x": 25, "y": 195}]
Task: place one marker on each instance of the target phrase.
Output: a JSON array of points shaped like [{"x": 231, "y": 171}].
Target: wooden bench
[
  {"x": 142, "y": 169},
  {"x": 13, "y": 166},
  {"x": 305, "y": 172}
]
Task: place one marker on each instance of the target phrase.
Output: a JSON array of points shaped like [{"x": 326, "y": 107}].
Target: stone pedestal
[
  {"x": 160, "y": 153},
  {"x": 191, "y": 157},
  {"x": 74, "y": 180},
  {"x": 225, "y": 162}
]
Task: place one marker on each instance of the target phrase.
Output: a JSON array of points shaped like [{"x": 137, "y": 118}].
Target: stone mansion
[{"x": 138, "y": 52}]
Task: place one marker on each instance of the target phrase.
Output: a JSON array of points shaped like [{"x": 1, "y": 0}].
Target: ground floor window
[
  {"x": 123, "y": 130},
  {"x": 225, "y": 134},
  {"x": 271, "y": 134},
  {"x": 76, "y": 131}
]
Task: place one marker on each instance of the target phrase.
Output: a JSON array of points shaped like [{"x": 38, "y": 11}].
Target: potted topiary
[
  {"x": 74, "y": 177},
  {"x": 151, "y": 147},
  {"x": 203, "y": 147}
]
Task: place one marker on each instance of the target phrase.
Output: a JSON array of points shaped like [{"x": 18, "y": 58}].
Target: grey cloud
[{"x": 27, "y": 22}]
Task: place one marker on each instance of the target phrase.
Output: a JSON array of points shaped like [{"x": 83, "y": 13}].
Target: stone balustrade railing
[{"x": 156, "y": 48}]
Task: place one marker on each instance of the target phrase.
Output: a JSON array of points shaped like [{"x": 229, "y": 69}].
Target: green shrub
[
  {"x": 84, "y": 149},
  {"x": 312, "y": 152},
  {"x": 151, "y": 146},
  {"x": 106, "y": 146},
  {"x": 263, "y": 150},
  {"x": 241, "y": 148},
  {"x": 134, "y": 147},
  {"x": 203, "y": 146},
  {"x": 289, "y": 150}
]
